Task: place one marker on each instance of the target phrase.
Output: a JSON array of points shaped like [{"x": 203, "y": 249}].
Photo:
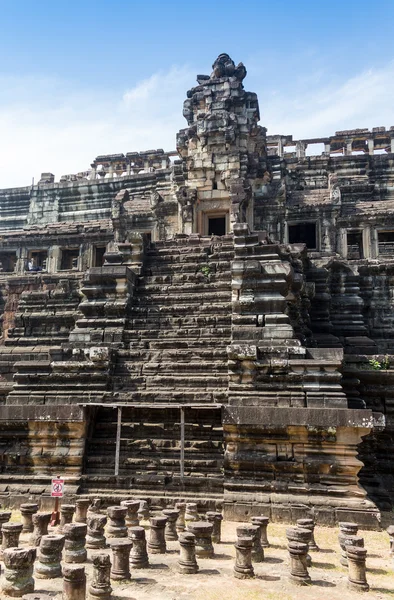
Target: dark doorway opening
[
  {"x": 354, "y": 245},
  {"x": 304, "y": 233},
  {"x": 216, "y": 225}
]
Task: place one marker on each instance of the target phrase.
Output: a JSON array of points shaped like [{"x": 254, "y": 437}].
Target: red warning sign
[{"x": 57, "y": 488}]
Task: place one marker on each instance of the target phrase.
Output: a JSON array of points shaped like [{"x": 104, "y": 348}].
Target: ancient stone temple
[{"x": 214, "y": 323}]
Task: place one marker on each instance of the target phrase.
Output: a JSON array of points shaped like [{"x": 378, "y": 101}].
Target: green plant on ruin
[
  {"x": 380, "y": 365},
  {"x": 205, "y": 270}
]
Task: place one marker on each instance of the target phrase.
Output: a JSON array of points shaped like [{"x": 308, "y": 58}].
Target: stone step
[
  {"x": 159, "y": 322},
  {"x": 183, "y": 382},
  {"x": 190, "y": 308},
  {"x": 175, "y": 354},
  {"x": 144, "y": 368},
  {"x": 171, "y": 342},
  {"x": 222, "y": 333},
  {"x": 161, "y": 396}
]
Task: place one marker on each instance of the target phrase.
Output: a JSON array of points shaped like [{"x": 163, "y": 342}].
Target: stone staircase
[{"x": 177, "y": 332}]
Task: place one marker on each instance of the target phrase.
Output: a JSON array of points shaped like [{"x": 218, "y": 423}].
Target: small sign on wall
[{"x": 57, "y": 488}]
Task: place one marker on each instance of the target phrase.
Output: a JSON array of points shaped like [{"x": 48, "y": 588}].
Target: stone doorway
[{"x": 217, "y": 225}]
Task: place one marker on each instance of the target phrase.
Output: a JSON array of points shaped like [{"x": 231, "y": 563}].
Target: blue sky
[{"x": 78, "y": 79}]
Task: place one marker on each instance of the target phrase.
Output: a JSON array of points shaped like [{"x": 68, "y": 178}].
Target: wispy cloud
[{"x": 53, "y": 125}]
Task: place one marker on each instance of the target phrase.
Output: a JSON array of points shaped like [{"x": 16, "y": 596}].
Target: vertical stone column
[
  {"x": 215, "y": 518},
  {"x": 243, "y": 568},
  {"x": 263, "y": 523},
  {"x": 41, "y": 521},
  {"x": 203, "y": 534},
  {"x": 49, "y": 555},
  {"x": 66, "y": 515},
  {"x": 253, "y": 531},
  {"x": 187, "y": 564},
  {"x": 5, "y": 516},
  {"x": 132, "y": 507},
  {"x": 170, "y": 532},
  {"x": 27, "y": 512},
  {"x": 95, "y": 506},
  {"x": 95, "y": 537},
  {"x": 303, "y": 536},
  {"x": 180, "y": 522},
  {"x": 157, "y": 541},
  {"x": 11, "y": 534},
  {"x": 309, "y": 524},
  {"x": 138, "y": 555},
  {"x": 120, "y": 569},
  {"x": 100, "y": 587},
  {"x": 357, "y": 579},
  {"x": 81, "y": 512},
  {"x": 74, "y": 582},
  {"x": 298, "y": 568},
  {"x": 143, "y": 511},
  {"x": 191, "y": 513},
  {"x": 390, "y": 531},
  {"x": 346, "y": 529},
  {"x": 74, "y": 547},
  {"x": 18, "y": 574},
  {"x": 116, "y": 527}
]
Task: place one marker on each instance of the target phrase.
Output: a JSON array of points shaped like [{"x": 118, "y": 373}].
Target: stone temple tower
[{"x": 222, "y": 152}]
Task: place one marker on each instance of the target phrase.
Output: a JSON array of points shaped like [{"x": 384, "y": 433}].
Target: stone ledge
[{"x": 61, "y": 412}]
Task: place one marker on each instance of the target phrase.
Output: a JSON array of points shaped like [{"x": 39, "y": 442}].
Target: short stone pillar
[
  {"x": 180, "y": 522},
  {"x": 5, "y": 516},
  {"x": 243, "y": 568},
  {"x": 49, "y": 555},
  {"x": 27, "y": 512},
  {"x": 191, "y": 513},
  {"x": 253, "y": 531},
  {"x": 18, "y": 573},
  {"x": 81, "y": 509},
  {"x": 262, "y": 521},
  {"x": 203, "y": 533},
  {"x": 100, "y": 587},
  {"x": 74, "y": 546},
  {"x": 143, "y": 511},
  {"x": 357, "y": 579},
  {"x": 74, "y": 582},
  {"x": 95, "y": 506},
  {"x": 11, "y": 534},
  {"x": 187, "y": 564},
  {"x": 170, "y": 532},
  {"x": 215, "y": 518},
  {"x": 309, "y": 524},
  {"x": 120, "y": 569},
  {"x": 41, "y": 521},
  {"x": 132, "y": 507},
  {"x": 298, "y": 534},
  {"x": 95, "y": 538},
  {"x": 116, "y": 527},
  {"x": 346, "y": 531},
  {"x": 390, "y": 531},
  {"x": 138, "y": 555},
  {"x": 157, "y": 541},
  {"x": 298, "y": 567},
  {"x": 66, "y": 515}
]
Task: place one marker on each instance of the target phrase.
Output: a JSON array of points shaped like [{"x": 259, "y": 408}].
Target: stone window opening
[
  {"x": 217, "y": 225},
  {"x": 39, "y": 257},
  {"x": 386, "y": 243},
  {"x": 98, "y": 257},
  {"x": 69, "y": 259},
  {"x": 355, "y": 249},
  {"x": 303, "y": 233},
  {"x": 7, "y": 262}
]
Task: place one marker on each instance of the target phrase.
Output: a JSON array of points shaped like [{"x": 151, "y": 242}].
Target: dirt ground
[{"x": 215, "y": 580}]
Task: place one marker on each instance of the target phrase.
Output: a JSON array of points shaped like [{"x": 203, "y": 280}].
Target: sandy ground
[{"x": 215, "y": 580}]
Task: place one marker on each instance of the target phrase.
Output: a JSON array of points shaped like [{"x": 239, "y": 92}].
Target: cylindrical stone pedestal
[
  {"x": 191, "y": 513},
  {"x": 170, "y": 532},
  {"x": 116, "y": 527},
  {"x": 253, "y": 531},
  {"x": 298, "y": 534},
  {"x": 95, "y": 506},
  {"x": 215, "y": 518},
  {"x": 309, "y": 524},
  {"x": 27, "y": 512},
  {"x": 5, "y": 516},
  {"x": 187, "y": 563},
  {"x": 263, "y": 522},
  {"x": 348, "y": 540},
  {"x": 49, "y": 555},
  {"x": 74, "y": 546},
  {"x": 180, "y": 522},
  {"x": 143, "y": 511},
  {"x": 100, "y": 587},
  {"x": 120, "y": 569},
  {"x": 390, "y": 531},
  {"x": 41, "y": 521},
  {"x": 74, "y": 582},
  {"x": 66, "y": 516},
  {"x": 243, "y": 568},
  {"x": 95, "y": 537},
  {"x": 132, "y": 507},
  {"x": 18, "y": 574},
  {"x": 11, "y": 534},
  {"x": 298, "y": 567},
  {"x": 157, "y": 541},
  {"x": 357, "y": 579},
  {"x": 138, "y": 555},
  {"x": 203, "y": 534},
  {"x": 81, "y": 509}
]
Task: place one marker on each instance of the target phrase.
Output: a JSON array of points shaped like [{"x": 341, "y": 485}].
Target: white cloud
[{"x": 52, "y": 125}]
